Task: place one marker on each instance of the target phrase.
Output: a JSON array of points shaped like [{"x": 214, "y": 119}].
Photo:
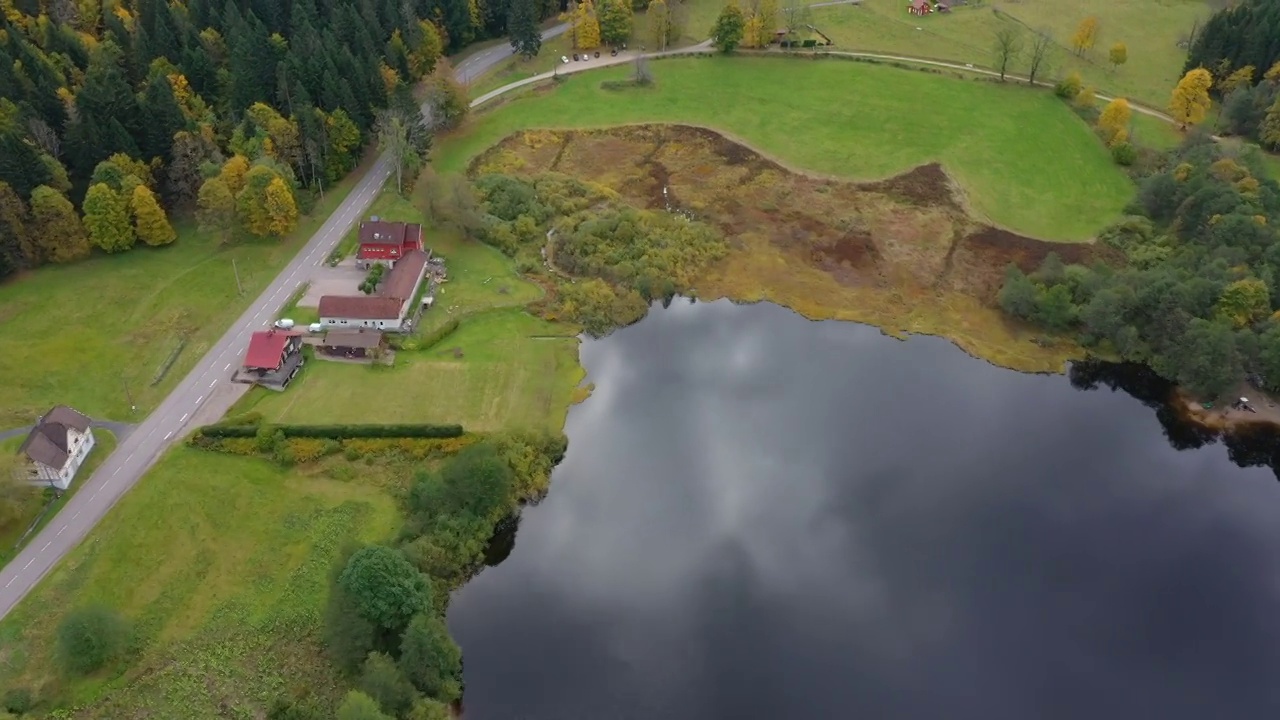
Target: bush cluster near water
[{"x": 1195, "y": 283}]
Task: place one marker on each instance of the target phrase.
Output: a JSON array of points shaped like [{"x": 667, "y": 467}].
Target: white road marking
[
  {"x": 184, "y": 418},
  {"x": 228, "y": 367},
  {"x": 73, "y": 517},
  {"x": 215, "y": 382},
  {"x": 129, "y": 458},
  {"x": 24, "y": 567},
  {"x": 168, "y": 435},
  {"x": 64, "y": 527},
  {"x": 199, "y": 399},
  {"x": 94, "y": 495},
  {"x": 46, "y": 546},
  {"x": 15, "y": 577},
  {"x": 117, "y": 472}
]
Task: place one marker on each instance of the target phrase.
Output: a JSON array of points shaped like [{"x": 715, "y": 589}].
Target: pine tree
[
  {"x": 164, "y": 117},
  {"x": 106, "y": 219},
  {"x": 1190, "y": 101},
  {"x": 55, "y": 227},
  {"x": 20, "y": 164},
  {"x": 149, "y": 221},
  {"x": 522, "y": 24},
  {"x": 616, "y": 22}
]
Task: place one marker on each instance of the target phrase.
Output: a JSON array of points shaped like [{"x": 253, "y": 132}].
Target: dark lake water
[{"x": 765, "y": 517}]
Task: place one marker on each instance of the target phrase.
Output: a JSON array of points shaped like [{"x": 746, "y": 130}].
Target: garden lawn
[
  {"x": 94, "y": 333},
  {"x": 220, "y": 563},
  {"x": 1151, "y": 30},
  {"x": 502, "y": 369},
  {"x": 1024, "y": 160}
]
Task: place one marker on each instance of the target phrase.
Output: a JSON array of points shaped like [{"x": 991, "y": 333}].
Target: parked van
[
  {"x": 284, "y": 324},
  {"x": 315, "y": 327}
]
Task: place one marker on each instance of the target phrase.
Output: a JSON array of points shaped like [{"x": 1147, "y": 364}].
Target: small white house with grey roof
[{"x": 57, "y": 446}]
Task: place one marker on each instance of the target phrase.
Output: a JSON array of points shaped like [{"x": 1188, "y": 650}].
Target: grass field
[
  {"x": 1151, "y": 30},
  {"x": 95, "y": 333},
  {"x": 104, "y": 445},
  {"x": 220, "y": 564},
  {"x": 1024, "y": 160},
  {"x": 515, "y": 371}
]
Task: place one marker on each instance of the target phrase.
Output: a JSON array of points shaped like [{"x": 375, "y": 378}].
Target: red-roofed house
[
  {"x": 274, "y": 357},
  {"x": 386, "y": 242}
]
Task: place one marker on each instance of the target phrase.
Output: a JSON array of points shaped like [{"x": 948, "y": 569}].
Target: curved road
[{"x": 198, "y": 390}]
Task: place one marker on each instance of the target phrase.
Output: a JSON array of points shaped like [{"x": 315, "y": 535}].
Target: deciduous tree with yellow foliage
[
  {"x": 266, "y": 207},
  {"x": 1190, "y": 100},
  {"x": 149, "y": 221},
  {"x": 1118, "y": 55},
  {"x": 1113, "y": 123},
  {"x": 106, "y": 218},
  {"x": 584, "y": 28},
  {"x": 1086, "y": 35}
]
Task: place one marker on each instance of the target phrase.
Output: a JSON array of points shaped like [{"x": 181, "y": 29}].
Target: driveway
[{"x": 342, "y": 279}]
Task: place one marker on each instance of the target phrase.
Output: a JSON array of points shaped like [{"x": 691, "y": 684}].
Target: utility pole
[
  {"x": 239, "y": 287},
  {"x": 128, "y": 395}
]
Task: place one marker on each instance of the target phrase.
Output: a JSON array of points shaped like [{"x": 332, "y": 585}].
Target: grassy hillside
[
  {"x": 1151, "y": 30},
  {"x": 94, "y": 334},
  {"x": 220, "y": 564},
  {"x": 1023, "y": 159}
]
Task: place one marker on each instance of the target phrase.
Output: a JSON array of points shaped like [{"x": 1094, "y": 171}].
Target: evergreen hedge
[{"x": 336, "y": 432}]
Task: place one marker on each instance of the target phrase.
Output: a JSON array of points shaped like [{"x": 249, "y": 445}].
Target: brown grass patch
[{"x": 901, "y": 253}]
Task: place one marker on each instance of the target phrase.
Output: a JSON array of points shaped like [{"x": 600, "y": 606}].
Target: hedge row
[{"x": 336, "y": 432}]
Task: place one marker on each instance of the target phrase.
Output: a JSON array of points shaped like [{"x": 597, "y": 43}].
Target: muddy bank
[{"x": 903, "y": 253}]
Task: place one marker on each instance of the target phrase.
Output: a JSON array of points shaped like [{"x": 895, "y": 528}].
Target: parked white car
[
  {"x": 284, "y": 324},
  {"x": 315, "y": 327}
]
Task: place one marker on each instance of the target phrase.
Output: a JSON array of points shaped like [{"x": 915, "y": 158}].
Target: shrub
[
  {"x": 440, "y": 333},
  {"x": 269, "y": 435},
  {"x": 89, "y": 638},
  {"x": 1124, "y": 154},
  {"x": 18, "y": 700},
  {"x": 1069, "y": 87}
]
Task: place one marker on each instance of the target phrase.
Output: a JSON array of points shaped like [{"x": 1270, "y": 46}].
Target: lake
[{"x": 761, "y": 516}]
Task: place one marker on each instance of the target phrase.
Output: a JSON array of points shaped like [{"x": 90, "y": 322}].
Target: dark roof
[
  {"x": 358, "y": 338},
  {"x": 403, "y": 278},
  {"x": 360, "y": 307},
  {"x": 381, "y": 232},
  {"x": 266, "y": 348},
  {"x": 47, "y": 441}
]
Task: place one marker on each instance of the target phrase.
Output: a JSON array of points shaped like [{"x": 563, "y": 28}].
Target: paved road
[
  {"x": 204, "y": 390},
  {"x": 481, "y": 62}
]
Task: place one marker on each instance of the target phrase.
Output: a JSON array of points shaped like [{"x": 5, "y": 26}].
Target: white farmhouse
[{"x": 57, "y": 447}]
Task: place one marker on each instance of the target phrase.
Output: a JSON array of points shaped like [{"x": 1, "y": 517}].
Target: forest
[
  {"x": 1240, "y": 47},
  {"x": 1196, "y": 281},
  {"x": 121, "y": 118}
]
